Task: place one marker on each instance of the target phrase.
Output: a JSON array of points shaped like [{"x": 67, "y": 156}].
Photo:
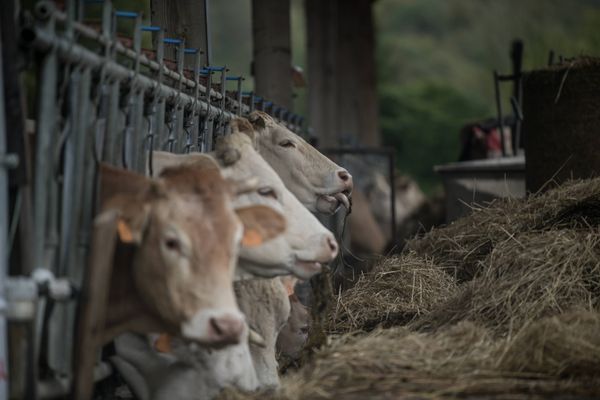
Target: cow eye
[
  {"x": 267, "y": 192},
  {"x": 287, "y": 143},
  {"x": 173, "y": 244}
]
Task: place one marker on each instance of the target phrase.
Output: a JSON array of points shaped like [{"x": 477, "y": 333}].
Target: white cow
[{"x": 319, "y": 183}]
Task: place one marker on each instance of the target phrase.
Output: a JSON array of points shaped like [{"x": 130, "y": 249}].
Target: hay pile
[
  {"x": 518, "y": 314},
  {"x": 525, "y": 278},
  {"x": 463, "y": 360},
  {"x": 395, "y": 292},
  {"x": 566, "y": 345},
  {"x": 462, "y": 247}
]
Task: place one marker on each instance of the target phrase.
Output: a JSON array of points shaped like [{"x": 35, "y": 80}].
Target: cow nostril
[
  {"x": 344, "y": 175},
  {"x": 214, "y": 323},
  {"x": 333, "y": 246}
]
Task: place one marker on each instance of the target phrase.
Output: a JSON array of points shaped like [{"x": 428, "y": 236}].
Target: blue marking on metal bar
[
  {"x": 171, "y": 41},
  {"x": 234, "y": 78},
  {"x": 246, "y": 93},
  {"x": 209, "y": 68},
  {"x": 190, "y": 50},
  {"x": 151, "y": 28},
  {"x": 126, "y": 14}
]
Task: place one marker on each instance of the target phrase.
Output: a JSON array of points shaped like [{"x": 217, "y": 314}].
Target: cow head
[
  {"x": 184, "y": 235},
  {"x": 294, "y": 334},
  {"x": 305, "y": 245},
  {"x": 320, "y": 184}
]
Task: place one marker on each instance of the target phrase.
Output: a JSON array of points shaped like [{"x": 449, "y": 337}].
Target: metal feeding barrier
[{"x": 100, "y": 97}]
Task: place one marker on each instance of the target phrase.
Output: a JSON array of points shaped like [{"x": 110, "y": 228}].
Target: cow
[
  {"x": 300, "y": 250},
  {"x": 176, "y": 253},
  {"x": 294, "y": 333},
  {"x": 305, "y": 245},
  {"x": 318, "y": 183}
]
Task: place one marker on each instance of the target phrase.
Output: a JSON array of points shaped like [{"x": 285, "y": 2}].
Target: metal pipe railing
[
  {"x": 4, "y": 224},
  {"x": 101, "y": 102}
]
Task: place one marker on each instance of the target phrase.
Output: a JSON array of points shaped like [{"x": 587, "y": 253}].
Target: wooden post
[
  {"x": 321, "y": 30},
  {"x": 341, "y": 70},
  {"x": 93, "y": 303},
  {"x": 183, "y": 19},
  {"x": 272, "y": 50}
]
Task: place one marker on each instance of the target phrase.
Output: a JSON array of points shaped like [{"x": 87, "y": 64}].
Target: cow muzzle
[
  {"x": 330, "y": 204},
  {"x": 214, "y": 328}
]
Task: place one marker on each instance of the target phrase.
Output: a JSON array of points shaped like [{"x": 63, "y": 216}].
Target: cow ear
[
  {"x": 257, "y": 119},
  {"x": 132, "y": 223},
  {"x": 242, "y": 125},
  {"x": 261, "y": 223}
]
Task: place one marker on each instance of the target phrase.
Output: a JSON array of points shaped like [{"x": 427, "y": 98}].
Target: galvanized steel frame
[{"x": 101, "y": 102}]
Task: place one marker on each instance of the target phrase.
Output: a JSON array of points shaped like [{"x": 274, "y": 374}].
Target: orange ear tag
[
  {"x": 252, "y": 238},
  {"x": 125, "y": 234},
  {"x": 163, "y": 343}
]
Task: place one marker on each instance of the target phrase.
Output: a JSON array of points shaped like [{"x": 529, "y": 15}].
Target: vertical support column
[
  {"x": 341, "y": 69},
  {"x": 358, "y": 112},
  {"x": 272, "y": 50},
  {"x": 184, "y": 19},
  {"x": 321, "y": 29}
]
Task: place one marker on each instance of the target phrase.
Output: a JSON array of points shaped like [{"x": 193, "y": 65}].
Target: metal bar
[
  {"x": 111, "y": 150},
  {"x": 179, "y": 133},
  {"x": 138, "y": 159},
  {"x": 207, "y": 33},
  {"x": 45, "y": 135},
  {"x": 4, "y": 249},
  {"x": 45, "y": 41},
  {"x": 160, "y": 125},
  {"x": 356, "y": 150},
  {"x": 499, "y": 110},
  {"x": 91, "y": 33},
  {"x": 392, "y": 173}
]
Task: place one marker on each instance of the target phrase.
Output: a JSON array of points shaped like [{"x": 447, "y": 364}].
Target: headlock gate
[{"x": 100, "y": 97}]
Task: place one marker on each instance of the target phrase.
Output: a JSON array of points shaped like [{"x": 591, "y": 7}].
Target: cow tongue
[{"x": 342, "y": 198}]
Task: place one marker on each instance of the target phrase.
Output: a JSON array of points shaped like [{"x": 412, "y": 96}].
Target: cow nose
[
  {"x": 226, "y": 329},
  {"x": 332, "y": 244},
  {"x": 346, "y": 178},
  {"x": 344, "y": 175}
]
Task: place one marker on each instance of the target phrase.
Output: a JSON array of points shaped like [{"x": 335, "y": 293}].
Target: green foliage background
[{"x": 436, "y": 57}]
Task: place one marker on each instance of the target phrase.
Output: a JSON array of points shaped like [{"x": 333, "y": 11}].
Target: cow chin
[
  {"x": 330, "y": 204},
  {"x": 249, "y": 270},
  {"x": 214, "y": 328},
  {"x": 327, "y": 204},
  {"x": 307, "y": 269}
]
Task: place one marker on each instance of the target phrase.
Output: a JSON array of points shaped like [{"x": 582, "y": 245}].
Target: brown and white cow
[
  {"x": 305, "y": 245},
  {"x": 319, "y": 183},
  {"x": 177, "y": 249}
]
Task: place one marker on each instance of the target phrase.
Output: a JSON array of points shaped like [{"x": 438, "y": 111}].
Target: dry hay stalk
[
  {"x": 527, "y": 277},
  {"x": 397, "y": 290},
  {"x": 393, "y": 363},
  {"x": 563, "y": 345},
  {"x": 461, "y": 246}
]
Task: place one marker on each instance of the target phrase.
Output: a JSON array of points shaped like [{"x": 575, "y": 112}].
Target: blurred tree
[{"x": 436, "y": 57}]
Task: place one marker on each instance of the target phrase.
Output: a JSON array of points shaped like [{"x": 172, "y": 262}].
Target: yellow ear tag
[
  {"x": 163, "y": 343},
  {"x": 252, "y": 238},
  {"x": 124, "y": 232}
]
